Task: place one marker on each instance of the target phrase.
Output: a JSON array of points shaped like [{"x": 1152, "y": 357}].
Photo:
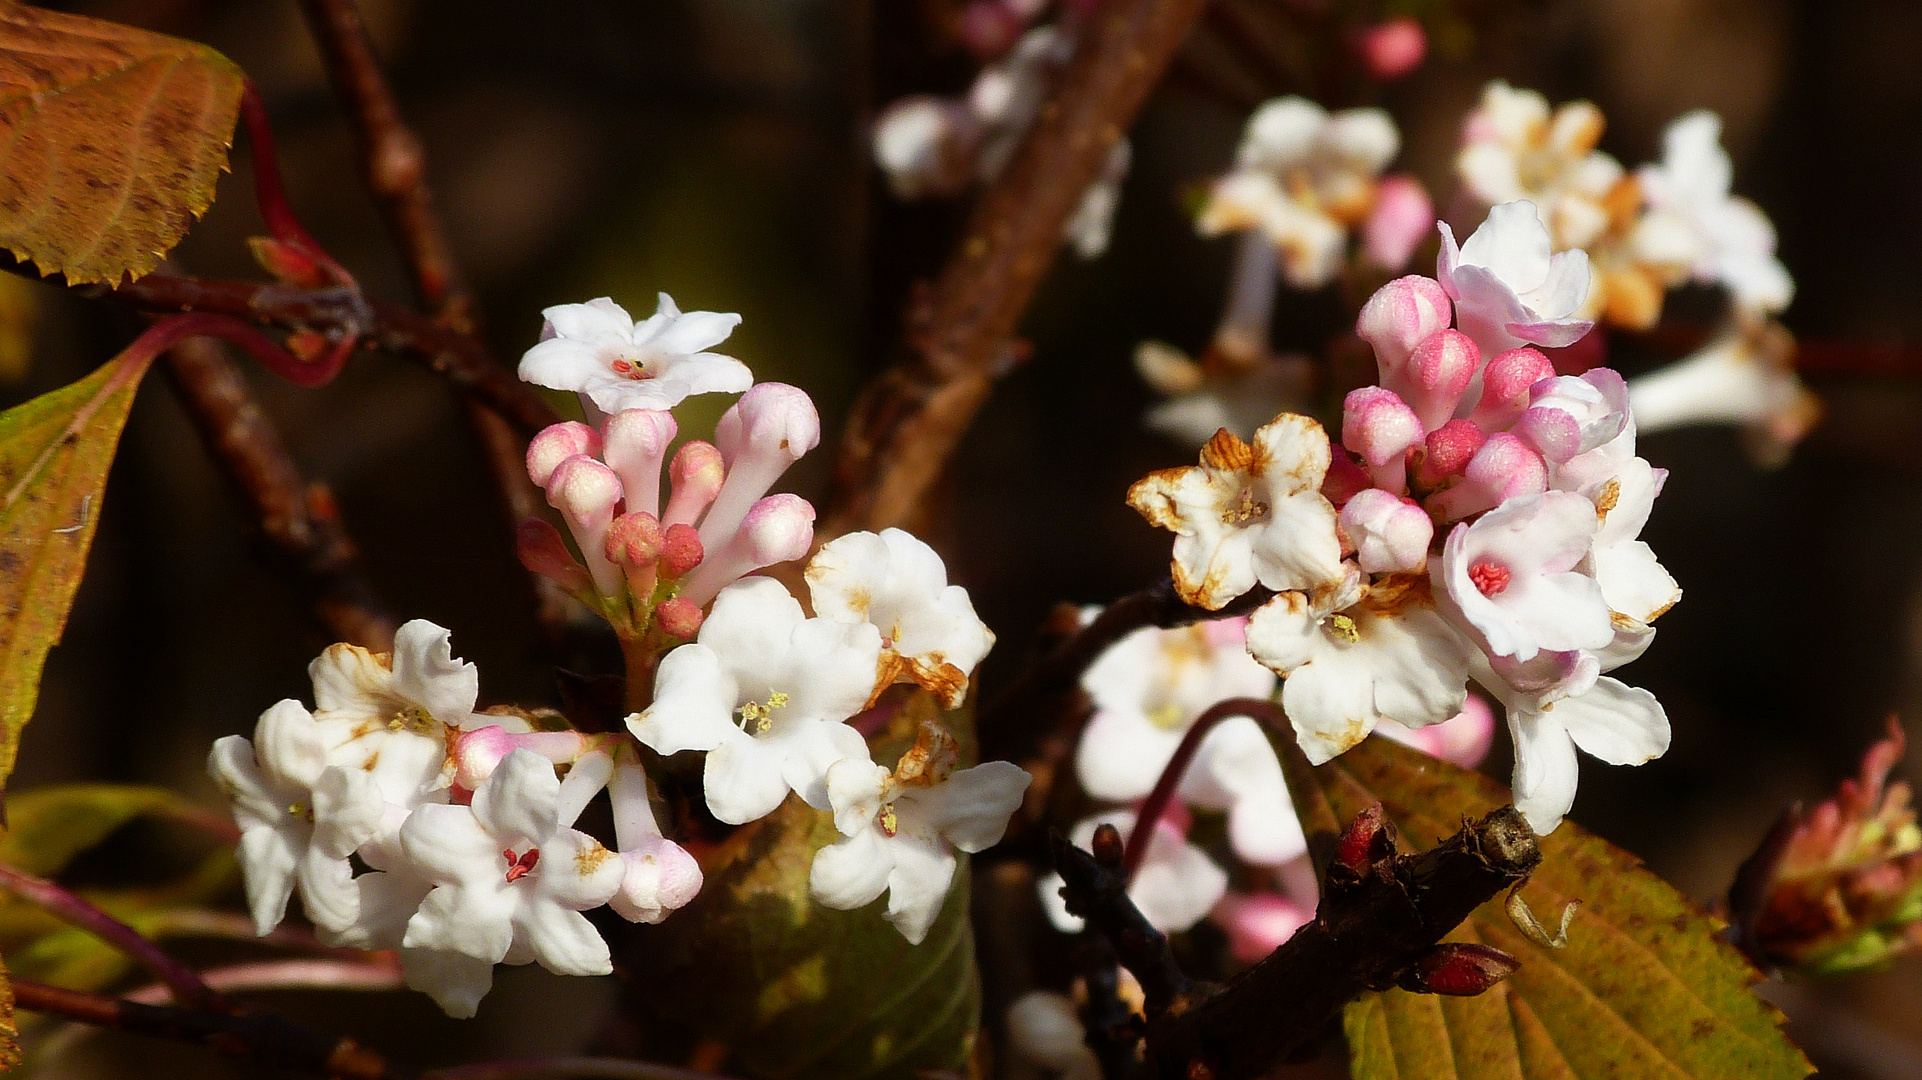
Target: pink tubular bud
[
  {"x": 1438, "y": 374},
  {"x": 585, "y": 492},
  {"x": 778, "y": 529},
  {"x": 681, "y": 550},
  {"x": 1402, "y": 218},
  {"x": 1399, "y": 317},
  {"x": 634, "y": 540},
  {"x": 1344, "y": 478},
  {"x": 636, "y": 442},
  {"x": 543, "y": 552},
  {"x": 1379, "y": 426},
  {"x": 679, "y": 618},
  {"x": 697, "y": 474},
  {"x": 1573, "y": 414},
  {"x": 1392, "y": 49},
  {"x": 1504, "y": 468},
  {"x": 555, "y": 444},
  {"x": 769, "y": 429},
  {"x": 477, "y": 752},
  {"x": 1447, "y": 451},
  {"x": 1391, "y": 534},
  {"x": 1506, "y": 383}
]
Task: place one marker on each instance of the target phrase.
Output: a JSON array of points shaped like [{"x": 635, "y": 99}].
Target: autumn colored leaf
[
  {"x": 1646, "y": 987},
  {"x": 111, "y": 140},
  {"x": 54, "y": 453},
  {"x": 48, "y": 827}
]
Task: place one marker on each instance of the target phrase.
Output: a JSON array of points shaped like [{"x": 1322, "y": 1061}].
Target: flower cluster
[
  {"x": 1479, "y": 520},
  {"x": 931, "y": 146},
  {"x": 459, "y": 817}
]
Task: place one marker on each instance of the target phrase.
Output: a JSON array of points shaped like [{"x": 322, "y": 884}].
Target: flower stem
[{"x": 1156, "y": 804}]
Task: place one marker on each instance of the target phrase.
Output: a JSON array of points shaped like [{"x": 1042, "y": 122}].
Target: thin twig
[
  {"x": 358, "y": 975},
  {"x": 588, "y": 1068},
  {"x": 269, "y": 1040},
  {"x": 69, "y": 907},
  {"x": 1163, "y": 792},
  {"x": 297, "y": 519},
  {"x": 907, "y": 422}
]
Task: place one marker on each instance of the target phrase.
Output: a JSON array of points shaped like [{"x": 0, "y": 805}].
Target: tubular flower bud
[
  {"x": 661, "y": 876},
  {"x": 1390, "y": 533},
  {"x": 1504, "y": 468},
  {"x": 1506, "y": 384},
  {"x": 1393, "y": 48},
  {"x": 1571, "y": 415},
  {"x": 542, "y": 551},
  {"x": 678, "y": 617},
  {"x": 1344, "y": 479},
  {"x": 585, "y": 492},
  {"x": 769, "y": 429},
  {"x": 697, "y": 474},
  {"x": 555, "y": 444},
  {"x": 477, "y": 752},
  {"x": 634, "y": 540},
  {"x": 1401, "y": 315},
  {"x": 636, "y": 443},
  {"x": 1447, "y": 451},
  {"x": 1402, "y": 218},
  {"x": 1380, "y": 427},
  {"x": 681, "y": 550},
  {"x": 779, "y": 528}
]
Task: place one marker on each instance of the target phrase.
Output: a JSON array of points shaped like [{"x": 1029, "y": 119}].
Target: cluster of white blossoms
[
  {"x": 461, "y": 822},
  {"x": 931, "y": 146},
  {"x": 1478, "y": 521}
]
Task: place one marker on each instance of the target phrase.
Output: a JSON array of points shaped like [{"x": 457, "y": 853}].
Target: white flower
[
  {"x": 299, "y": 818},
  {"x": 1515, "y": 148},
  {"x": 597, "y": 350},
  {"x": 903, "y": 826},
  {"x": 1510, "y": 576},
  {"x": 389, "y": 714},
  {"x": 764, "y": 691},
  {"x": 1632, "y": 579},
  {"x": 1250, "y": 512},
  {"x": 512, "y": 883},
  {"x": 1087, "y": 231},
  {"x": 1508, "y": 289},
  {"x": 929, "y": 632},
  {"x": 1147, "y": 689},
  {"x": 1044, "y": 1028},
  {"x": 1175, "y": 888},
  {"x": 1386, "y": 654},
  {"x": 1744, "y": 377},
  {"x": 1694, "y": 223}
]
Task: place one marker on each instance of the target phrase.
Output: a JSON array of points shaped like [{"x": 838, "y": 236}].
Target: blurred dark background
[{"x": 716, "y": 149}]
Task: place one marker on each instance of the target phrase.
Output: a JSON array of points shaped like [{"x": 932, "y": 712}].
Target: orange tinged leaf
[{"x": 111, "y": 139}]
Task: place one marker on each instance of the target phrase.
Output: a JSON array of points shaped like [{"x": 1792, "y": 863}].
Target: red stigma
[
  {"x": 518, "y": 868},
  {"x": 1490, "y": 578}
]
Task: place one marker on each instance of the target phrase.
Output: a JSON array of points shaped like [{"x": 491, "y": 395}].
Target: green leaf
[
  {"x": 112, "y": 139},
  {"x": 47, "y": 827},
  {"x": 1647, "y": 987},
  {"x": 800, "y": 991},
  {"x": 54, "y": 453}
]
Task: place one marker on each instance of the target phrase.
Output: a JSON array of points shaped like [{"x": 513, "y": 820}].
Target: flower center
[
  {"x": 1244, "y": 509},
  {"x": 412, "y": 718},
  {"x": 299, "y": 811},
  {"x": 1490, "y": 578},
  {"x": 757, "y": 717},
  {"x": 1167, "y": 717},
  {"x": 889, "y": 821},
  {"x": 1343, "y": 627},
  {"x": 631, "y": 368},
  {"x": 519, "y": 867}
]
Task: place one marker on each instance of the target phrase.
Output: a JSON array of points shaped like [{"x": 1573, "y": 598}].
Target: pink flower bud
[
  {"x": 1390, "y": 533},
  {"x": 1447, "y": 451},
  {"x": 585, "y": 492},
  {"x": 478, "y": 752},
  {"x": 542, "y": 551},
  {"x": 1366, "y": 841},
  {"x": 697, "y": 475},
  {"x": 1258, "y": 923},
  {"x": 1399, "y": 317},
  {"x": 769, "y": 429},
  {"x": 1438, "y": 374},
  {"x": 1505, "y": 387},
  {"x": 1392, "y": 49},
  {"x": 1379, "y": 426},
  {"x": 1504, "y": 468},
  {"x": 634, "y": 540},
  {"x": 778, "y": 529},
  {"x": 679, "y": 618},
  {"x": 661, "y": 878},
  {"x": 988, "y": 28},
  {"x": 636, "y": 442},
  {"x": 1570, "y": 414},
  {"x": 1402, "y": 218},
  {"x": 1344, "y": 478},
  {"x": 555, "y": 444},
  {"x": 681, "y": 550}
]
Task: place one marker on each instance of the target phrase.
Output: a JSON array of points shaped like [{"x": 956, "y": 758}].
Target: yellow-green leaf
[
  {"x": 111, "y": 139},
  {"x": 47, "y": 827},
  {"x": 54, "y": 453},
  {"x": 9, "y": 1027},
  {"x": 1647, "y": 987}
]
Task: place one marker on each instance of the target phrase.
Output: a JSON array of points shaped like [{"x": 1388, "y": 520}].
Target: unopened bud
[
  {"x": 542, "y": 551},
  {"x": 1438, "y": 374},
  {"x": 1505, "y": 387},
  {"x": 586, "y": 492},
  {"x": 1107, "y": 847},
  {"x": 1447, "y": 451},
  {"x": 477, "y": 753},
  {"x": 1367, "y": 840},
  {"x": 555, "y": 444},
  {"x": 697, "y": 474},
  {"x": 779, "y": 528},
  {"x": 1344, "y": 479},
  {"x": 769, "y": 429},
  {"x": 636, "y": 442},
  {"x": 1569, "y": 415},
  {"x": 988, "y": 28},
  {"x": 1403, "y": 217},
  {"x": 288, "y": 264},
  {"x": 678, "y": 618},
  {"x": 1504, "y": 468},
  {"x": 681, "y": 550},
  {"x": 1458, "y": 969},
  {"x": 1393, "y": 48},
  {"x": 1401, "y": 315},
  {"x": 1391, "y": 534},
  {"x": 634, "y": 540},
  {"x": 1379, "y": 426}
]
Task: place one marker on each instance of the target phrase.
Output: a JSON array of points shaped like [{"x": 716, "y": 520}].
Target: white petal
[
  {"x": 971, "y": 809},
  {"x": 855, "y": 787},
  {"x": 447, "y": 843},
  {"x": 347, "y": 811},
  {"x": 694, "y": 701},
  {"x": 1545, "y": 772},
  {"x": 563, "y": 941},
  {"x": 576, "y": 872},
  {"x": 597, "y": 318},
  {"x": 257, "y": 803},
  {"x": 288, "y": 745},
  {"x": 918, "y": 886},
  {"x": 269, "y": 859},
  {"x": 426, "y": 673},
  {"x": 810, "y": 748},
  {"x": 1622, "y": 725},
  {"x": 327, "y": 891},
  {"x": 743, "y": 778},
  {"x": 1331, "y": 704},
  {"x": 1122, "y": 753},
  {"x": 456, "y": 983},
  {"x": 351, "y": 681},
  {"x": 520, "y": 801},
  {"x": 694, "y": 332},
  {"x": 851, "y": 873},
  {"x": 828, "y": 670},
  {"x": 476, "y": 922}
]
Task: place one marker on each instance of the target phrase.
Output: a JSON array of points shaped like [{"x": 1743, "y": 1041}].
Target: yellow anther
[
  {"x": 758, "y": 717},
  {"x": 295, "y": 809},
  {"x": 1167, "y": 717},
  {"x": 890, "y": 822},
  {"x": 777, "y": 700},
  {"x": 1244, "y": 510},
  {"x": 1344, "y": 628}
]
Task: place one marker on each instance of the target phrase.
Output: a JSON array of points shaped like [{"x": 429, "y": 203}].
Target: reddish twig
[
  {"x": 186, "y": 985},
  {"x": 269, "y": 1040},
  {"x": 366, "y": 976},
  {"x": 275, "y": 208},
  {"x": 1156, "y": 804},
  {"x": 906, "y": 423},
  {"x": 299, "y": 520}
]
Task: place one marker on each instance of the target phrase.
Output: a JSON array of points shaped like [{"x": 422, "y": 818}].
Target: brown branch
[
  {"x": 906, "y": 423},
  {"x": 299, "y": 520},
  {"x": 261, "y": 1037},
  {"x": 588, "y": 1068}
]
